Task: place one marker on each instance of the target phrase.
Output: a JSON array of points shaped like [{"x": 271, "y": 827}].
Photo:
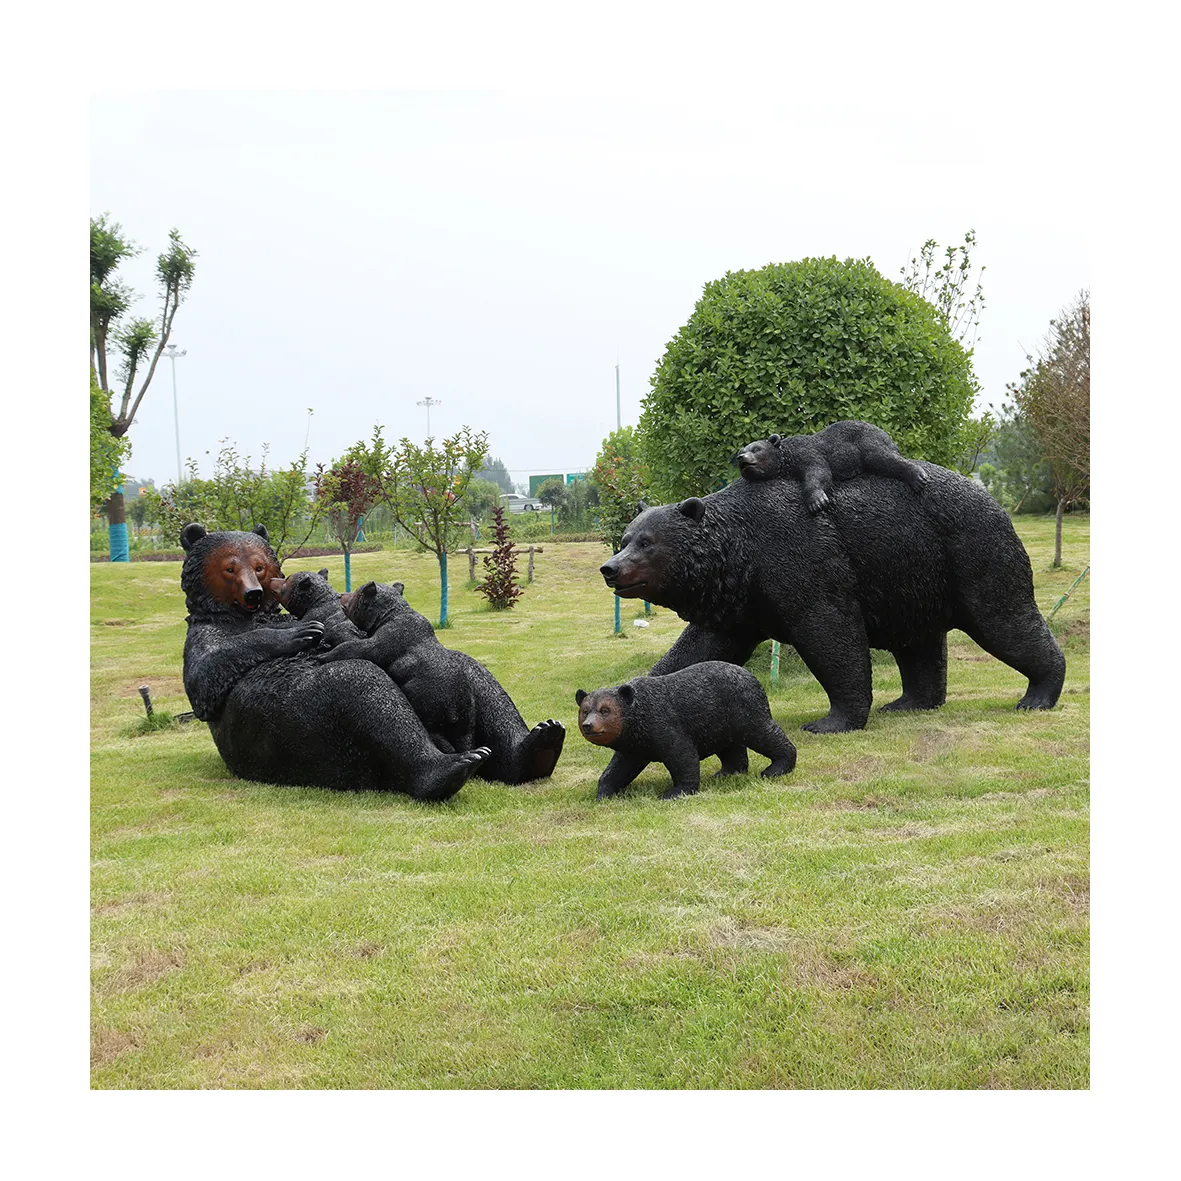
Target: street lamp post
[
  {"x": 172, "y": 353},
  {"x": 428, "y": 402}
]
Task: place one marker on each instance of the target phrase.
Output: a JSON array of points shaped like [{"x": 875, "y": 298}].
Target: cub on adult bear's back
[
  {"x": 712, "y": 708},
  {"x": 842, "y": 451}
]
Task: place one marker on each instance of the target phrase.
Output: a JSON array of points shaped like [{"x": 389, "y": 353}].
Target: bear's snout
[
  {"x": 253, "y": 597},
  {"x": 609, "y": 573}
]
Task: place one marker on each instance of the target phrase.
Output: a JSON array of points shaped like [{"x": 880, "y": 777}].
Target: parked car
[{"x": 516, "y": 503}]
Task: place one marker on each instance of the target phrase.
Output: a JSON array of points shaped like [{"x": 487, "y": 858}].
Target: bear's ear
[
  {"x": 693, "y": 508},
  {"x": 369, "y": 590},
  {"x": 641, "y": 508},
  {"x": 323, "y": 572},
  {"x": 261, "y": 530},
  {"x": 627, "y": 694},
  {"x": 774, "y": 440},
  {"x": 400, "y": 587},
  {"x": 580, "y": 695},
  {"x": 190, "y": 535}
]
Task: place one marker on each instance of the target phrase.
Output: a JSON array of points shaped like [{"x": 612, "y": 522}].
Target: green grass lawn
[{"x": 909, "y": 908}]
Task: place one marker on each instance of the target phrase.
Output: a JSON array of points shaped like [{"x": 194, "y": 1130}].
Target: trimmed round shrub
[{"x": 790, "y": 348}]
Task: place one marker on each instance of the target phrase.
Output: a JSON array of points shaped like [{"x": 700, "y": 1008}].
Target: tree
[
  {"x": 500, "y": 586},
  {"x": 107, "y": 452},
  {"x": 946, "y": 287},
  {"x": 346, "y": 492},
  {"x": 495, "y": 471},
  {"x": 239, "y": 497},
  {"x": 1018, "y": 477},
  {"x": 481, "y": 498},
  {"x": 621, "y": 477},
  {"x": 553, "y": 494},
  {"x": 789, "y": 349},
  {"x": 1055, "y": 395},
  {"x": 425, "y": 487},
  {"x": 136, "y": 341}
]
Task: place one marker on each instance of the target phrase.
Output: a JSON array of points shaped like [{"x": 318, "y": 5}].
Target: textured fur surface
[
  {"x": 841, "y": 451},
  {"x": 881, "y": 568},
  {"x": 712, "y": 708},
  {"x": 310, "y": 597},
  {"x": 278, "y": 716},
  {"x": 461, "y": 703}
]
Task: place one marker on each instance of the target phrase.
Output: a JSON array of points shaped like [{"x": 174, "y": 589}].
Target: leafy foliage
[
  {"x": 481, "y": 497},
  {"x": 495, "y": 472},
  {"x": 345, "y": 493},
  {"x": 790, "y": 348},
  {"x": 552, "y": 493},
  {"x": 621, "y": 477},
  {"x": 946, "y": 286},
  {"x": 1017, "y": 475},
  {"x": 136, "y": 341},
  {"x": 425, "y": 487},
  {"x": 500, "y": 586},
  {"x": 107, "y": 453},
  {"x": 239, "y": 497}
]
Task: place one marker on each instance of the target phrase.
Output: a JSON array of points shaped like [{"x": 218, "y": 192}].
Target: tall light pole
[
  {"x": 428, "y": 402},
  {"x": 618, "y": 420},
  {"x": 171, "y": 352}
]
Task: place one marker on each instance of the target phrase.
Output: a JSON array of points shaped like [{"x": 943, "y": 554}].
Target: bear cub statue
[
  {"x": 310, "y": 597},
  {"x": 839, "y": 452},
  {"x": 396, "y": 637},
  {"x": 711, "y": 708},
  {"x": 462, "y": 705}
]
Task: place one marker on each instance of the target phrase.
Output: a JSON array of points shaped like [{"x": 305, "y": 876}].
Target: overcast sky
[{"x": 498, "y": 253}]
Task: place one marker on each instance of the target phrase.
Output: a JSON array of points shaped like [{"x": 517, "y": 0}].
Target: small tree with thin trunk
[
  {"x": 1055, "y": 395},
  {"x": 425, "y": 488},
  {"x": 346, "y": 492}
]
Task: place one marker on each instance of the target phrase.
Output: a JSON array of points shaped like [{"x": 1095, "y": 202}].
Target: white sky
[{"x": 499, "y": 253}]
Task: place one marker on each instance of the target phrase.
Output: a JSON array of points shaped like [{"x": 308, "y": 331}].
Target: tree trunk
[
  {"x": 443, "y": 591},
  {"x": 348, "y": 573},
  {"x": 117, "y": 527},
  {"x": 1058, "y": 533}
]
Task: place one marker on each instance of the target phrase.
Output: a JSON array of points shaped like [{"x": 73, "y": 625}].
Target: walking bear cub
[
  {"x": 460, "y": 702},
  {"x": 839, "y": 452},
  {"x": 712, "y": 708}
]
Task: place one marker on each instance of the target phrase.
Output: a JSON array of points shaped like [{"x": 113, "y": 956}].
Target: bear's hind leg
[
  {"x": 924, "y": 674},
  {"x": 1026, "y": 643},
  {"x": 735, "y": 760},
  {"x": 895, "y": 467},
  {"x": 775, "y": 745}
]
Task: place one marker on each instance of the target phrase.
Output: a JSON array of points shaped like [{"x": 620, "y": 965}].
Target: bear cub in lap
[
  {"x": 402, "y": 641},
  {"x": 839, "y": 452},
  {"x": 310, "y": 597},
  {"x": 461, "y": 704},
  {"x": 711, "y": 708}
]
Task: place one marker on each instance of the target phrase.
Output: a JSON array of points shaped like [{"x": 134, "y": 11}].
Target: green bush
[{"x": 790, "y": 348}]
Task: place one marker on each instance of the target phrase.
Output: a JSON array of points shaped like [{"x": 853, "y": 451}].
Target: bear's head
[
  {"x": 303, "y": 590},
  {"x": 651, "y": 561},
  {"x": 228, "y": 572},
  {"x": 602, "y": 714},
  {"x": 373, "y": 604},
  {"x": 759, "y": 460}
]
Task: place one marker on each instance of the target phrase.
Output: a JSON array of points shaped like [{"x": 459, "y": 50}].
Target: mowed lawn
[{"x": 909, "y": 908}]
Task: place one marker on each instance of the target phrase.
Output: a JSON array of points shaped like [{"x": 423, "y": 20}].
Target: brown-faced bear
[
  {"x": 842, "y": 451},
  {"x": 881, "y": 568},
  {"x": 310, "y": 597},
  {"x": 278, "y": 716},
  {"x": 458, "y": 699},
  {"x": 712, "y": 708}
]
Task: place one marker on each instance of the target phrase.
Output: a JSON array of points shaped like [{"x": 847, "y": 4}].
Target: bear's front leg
[
  {"x": 831, "y": 641},
  {"x": 620, "y": 771},
  {"x": 349, "y": 650},
  {"x": 684, "y": 765},
  {"x": 817, "y": 481}
]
